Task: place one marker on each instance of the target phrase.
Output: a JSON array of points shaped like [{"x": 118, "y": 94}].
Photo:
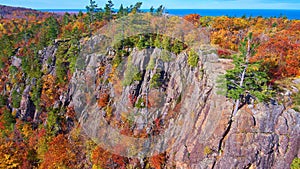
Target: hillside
[
  {"x": 148, "y": 90},
  {"x": 9, "y": 12}
]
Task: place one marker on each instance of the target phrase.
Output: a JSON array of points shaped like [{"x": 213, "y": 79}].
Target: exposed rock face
[
  {"x": 260, "y": 136},
  {"x": 27, "y": 108},
  {"x": 264, "y": 137},
  {"x": 16, "y": 61},
  {"x": 48, "y": 59}
]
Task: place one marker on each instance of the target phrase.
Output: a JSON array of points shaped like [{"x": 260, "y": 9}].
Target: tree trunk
[{"x": 237, "y": 102}]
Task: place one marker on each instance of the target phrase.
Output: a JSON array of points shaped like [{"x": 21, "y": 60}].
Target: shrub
[
  {"x": 166, "y": 43},
  {"x": 223, "y": 53},
  {"x": 13, "y": 70},
  {"x": 151, "y": 64},
  {"x": 296, "y": 163},
  {"x": 16, "y": 99},
  {"x": 140, "y": 103},
  {"x": 155, "y": 81},
  {"x": 165, "y": 56},
  {"x": 131, "y": 74},
  {"x": 103, "y": 100},
  {"x": 9, "y": 120},
  {"x": 2, "y": 64},
  {"x": 296, "y": 101},
  {"x": 132, "y": 99},
  {"x": 52, "y": 122},
  {"x": 117, "y": 60},
  {"x": 158, "y": 161},
  {"x": 192, "y": 58},
  {"x": 177, "y": 47},
  {"x": 207, "y": 150},
  {"x": 157, "y": 42},
  {"x": 141, "y": 43},
  {"x": 3, "y": 100}
]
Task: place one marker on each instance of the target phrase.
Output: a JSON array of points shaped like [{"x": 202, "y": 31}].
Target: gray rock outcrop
[{"x": 260, "y": 136}]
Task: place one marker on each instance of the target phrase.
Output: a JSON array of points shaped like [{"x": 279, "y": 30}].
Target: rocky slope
[
  {"x": 179, "y": 104},
  {"x": 196, "y": 120}
]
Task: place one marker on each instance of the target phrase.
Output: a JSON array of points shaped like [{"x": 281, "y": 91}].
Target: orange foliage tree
[
  {"x": 103, "y": 100},
  {"x": 158, "y": 161},
  {"x": 193, "y": 18},
  {"x": 59, "y": 154},
  {"x": 280, "y": 57},
  {"x": 49, "y": 90}
]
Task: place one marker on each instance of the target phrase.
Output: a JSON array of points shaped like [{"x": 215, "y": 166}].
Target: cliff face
[
  {"x": 178, "y": 107},
  {"x": 197, "y": 129}
]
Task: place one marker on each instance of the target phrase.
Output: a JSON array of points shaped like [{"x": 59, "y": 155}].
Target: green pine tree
[
  {"x": 177, "y": 47},
  {"x": 108, "y": 10},
  {"x": 157, "y": 42},
  {"x": 160, "y": 10},
  {"x": 245, "y": 80},
  {"x": 8, "y": 120},
  {"x": 166, "y": 43},
  {"x": 91, "y": 10},
  {"x": 121, "y": 11},
  {"x": 151, "y": 10},
  {"x": 137, "y": 8},
  {"x": 141, "y": 43}
]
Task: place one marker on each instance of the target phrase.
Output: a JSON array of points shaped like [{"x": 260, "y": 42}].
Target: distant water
[{"x": 290, "y": 14}]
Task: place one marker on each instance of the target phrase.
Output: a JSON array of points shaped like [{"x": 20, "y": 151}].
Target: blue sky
[{"x": 171, "y": 4}]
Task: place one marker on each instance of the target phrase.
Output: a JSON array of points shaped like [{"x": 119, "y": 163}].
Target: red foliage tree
[
  {"x": 158, "y": 161},
  {"x": 280, "y": 56},
  {"x": 223, "y": 52},
  {"x": 103, "y": 100}
]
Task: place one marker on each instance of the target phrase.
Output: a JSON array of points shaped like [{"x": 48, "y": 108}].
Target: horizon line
[
  {"x": 177, "y": 8},
  {"x": 166, "y": 8}
]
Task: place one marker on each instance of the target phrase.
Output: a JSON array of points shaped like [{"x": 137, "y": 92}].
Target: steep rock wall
[{"x": 260, "y": 136}]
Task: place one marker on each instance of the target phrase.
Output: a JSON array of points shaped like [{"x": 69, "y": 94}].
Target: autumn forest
[{"x": 39, "y": 127}]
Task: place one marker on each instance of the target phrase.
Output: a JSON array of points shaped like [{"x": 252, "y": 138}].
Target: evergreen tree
[
  {"x": 66, "y": 18},
  {"x": 157, "y": 42},
  {"x": 16, "y": 99},
  {"x": 177, "y": 47},
  {"x": 150, "y": 42},
  {"x": 53, "y": 28},
  {"x": 245, "y": 81},
  {"x": 49, "y": 31},
  {"x": 136, "y": 8},
  {"x": 91, "y": 10},
  {"x": 8, "y": 120},
  {"x": 80, "y": 13},
  {"x": 121, "y": 11},
  {"x": 166, "y": 43},
  {"x": 6, "y": 49},
  {"x": 108, "y": 10},
  {"x": 160, "y": 10},
  {"x": 151, "y": 10},
  {"x": 141, "y": 43},
  {"x": 3, "y": 100}
]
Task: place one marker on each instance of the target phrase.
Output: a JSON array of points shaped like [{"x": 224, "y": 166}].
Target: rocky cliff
[
  {"x": 179, "y": 107},
  {"x": 154, "y": 102}
]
